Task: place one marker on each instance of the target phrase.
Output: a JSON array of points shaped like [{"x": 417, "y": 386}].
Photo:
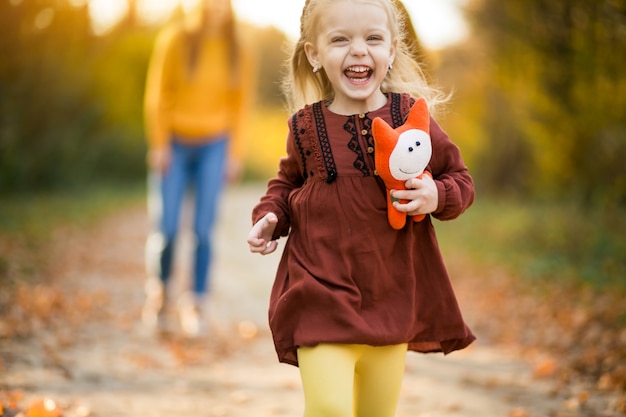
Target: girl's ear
[
  {"x": 392, "y": 52},
  {"x": 311, "y": 54}
]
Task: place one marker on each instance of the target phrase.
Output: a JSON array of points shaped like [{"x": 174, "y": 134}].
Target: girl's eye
[
  {"x": 339, "y": 39},
  {"x": 375, "y": 38}
]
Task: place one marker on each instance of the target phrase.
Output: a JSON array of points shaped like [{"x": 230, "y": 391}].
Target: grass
[
  {"x": 539, "y": 242},
  {"x": 35, "y": 215},
  {"x": 554, "y": 242},
  {"x": 27, "y": 222}
]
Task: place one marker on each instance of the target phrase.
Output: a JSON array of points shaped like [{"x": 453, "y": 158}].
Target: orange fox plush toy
[{"x": 401, "y": 154}]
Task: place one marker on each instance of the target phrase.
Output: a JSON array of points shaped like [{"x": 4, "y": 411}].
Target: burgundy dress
[{"x": 345, "y": 275}]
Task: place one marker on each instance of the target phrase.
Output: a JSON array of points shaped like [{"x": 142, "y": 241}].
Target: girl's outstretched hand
[
  {"x": 422, "y": 196},
  {"x": 260, "y": 236}
]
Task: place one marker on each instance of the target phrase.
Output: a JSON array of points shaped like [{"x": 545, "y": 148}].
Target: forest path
[{"x": 98, "y": 360}]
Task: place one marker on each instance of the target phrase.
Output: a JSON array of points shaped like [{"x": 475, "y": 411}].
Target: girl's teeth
[{"x": 358, "y": 73}]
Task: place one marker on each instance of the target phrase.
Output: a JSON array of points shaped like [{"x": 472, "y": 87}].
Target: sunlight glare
[
  {"x": 106, "y": 13},
  {"x": 438, "y": 23},
  {"x": 44, "y": 18},
  {"x": 155, "y": 11}
]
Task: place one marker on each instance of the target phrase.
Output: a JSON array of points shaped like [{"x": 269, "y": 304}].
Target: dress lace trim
[
  {"x": 324, "y": 143},
  {"x": 355, "y": 146},
  {"x": 298, "y": 132},
  {"x": 311, "y": 136}
]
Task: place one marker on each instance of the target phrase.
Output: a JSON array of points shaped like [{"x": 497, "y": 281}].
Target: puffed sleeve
[
  {"x": 276, "y": 198},
  {"x": 454, "y": 182}
]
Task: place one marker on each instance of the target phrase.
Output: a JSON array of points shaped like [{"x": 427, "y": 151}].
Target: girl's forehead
[{"x": 353, "y": 15}]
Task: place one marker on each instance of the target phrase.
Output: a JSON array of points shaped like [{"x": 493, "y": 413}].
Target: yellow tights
[{"x": 351, "y": 380}]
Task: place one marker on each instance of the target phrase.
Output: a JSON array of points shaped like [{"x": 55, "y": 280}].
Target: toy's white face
[{"x": 411, "y": 154}]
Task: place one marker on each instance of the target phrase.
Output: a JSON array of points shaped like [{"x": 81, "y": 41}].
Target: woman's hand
[
  {"x": 234, "y": 171},
  {"x": 159, "y": 159},
  {"x": 260, "y": 236},
  {"x": 422, "y": 196}
]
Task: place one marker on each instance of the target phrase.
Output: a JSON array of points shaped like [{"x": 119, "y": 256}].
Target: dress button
[
  {"x": 364, "y": 132},
  {"x": 362, "y": 116},
  {"x": 376, "y": 172},
  {"x": 370, "y": 149}
]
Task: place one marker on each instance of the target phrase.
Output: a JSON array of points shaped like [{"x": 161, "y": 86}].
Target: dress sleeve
[
  {"x": 454, "y": 183},
  {"x": 279, "y": 188}
]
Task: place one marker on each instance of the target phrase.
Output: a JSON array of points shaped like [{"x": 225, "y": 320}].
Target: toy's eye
[{"x": 411, "y": 149}]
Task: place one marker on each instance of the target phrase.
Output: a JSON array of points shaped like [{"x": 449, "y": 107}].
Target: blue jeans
[{"x": 201, "y": 167}]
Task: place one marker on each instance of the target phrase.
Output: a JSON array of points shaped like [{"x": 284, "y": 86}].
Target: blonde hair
[{"x": 302, "y": 86}]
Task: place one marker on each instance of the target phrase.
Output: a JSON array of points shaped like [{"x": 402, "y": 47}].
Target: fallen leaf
[
  {"x": 43, "y": 408},
  {"x": 247, "y": 330},
  {"x": 518, "y": 412},
  {"x": 545, "y": 369}
]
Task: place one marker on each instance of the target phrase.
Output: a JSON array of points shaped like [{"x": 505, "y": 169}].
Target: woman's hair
[
  {"x": 302, "y": 86},
  {"x": 195, "y": 28}
]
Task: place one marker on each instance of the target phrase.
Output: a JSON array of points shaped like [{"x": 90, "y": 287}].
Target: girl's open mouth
[{"x": 358, "y": 73}]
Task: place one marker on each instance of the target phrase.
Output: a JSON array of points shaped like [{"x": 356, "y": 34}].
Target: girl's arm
[
  {"x": 276, "y": 198},
  {"x": 455, "y": 187},
  {"x": 260, "y": 236}
]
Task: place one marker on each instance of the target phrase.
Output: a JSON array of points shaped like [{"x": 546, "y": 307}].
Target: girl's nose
[{"x": 358, "y": 48}]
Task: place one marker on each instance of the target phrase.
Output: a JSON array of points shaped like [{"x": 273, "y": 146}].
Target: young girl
[{"x": 351, "y": 294}]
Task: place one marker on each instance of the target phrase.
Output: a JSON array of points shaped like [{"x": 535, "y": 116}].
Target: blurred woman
[{"x": 197, "y": 97}]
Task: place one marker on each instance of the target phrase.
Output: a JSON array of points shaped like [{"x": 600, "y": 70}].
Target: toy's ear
[
  {"x": 419, "y": 118},
  {"x": 381, "y": 131}
]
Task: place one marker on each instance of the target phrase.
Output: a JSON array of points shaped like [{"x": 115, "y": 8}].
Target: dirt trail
[{"x": 99, "y": 361}]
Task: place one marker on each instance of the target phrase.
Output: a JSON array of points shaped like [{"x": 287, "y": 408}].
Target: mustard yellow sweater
[{"x": 200, "y": 103}]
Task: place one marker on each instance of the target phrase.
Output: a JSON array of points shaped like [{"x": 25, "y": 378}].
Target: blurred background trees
[
  {"x": 71, "y": 101},
  {"x": 553, "y": 97},
  {"x": 539, "y": 103}
]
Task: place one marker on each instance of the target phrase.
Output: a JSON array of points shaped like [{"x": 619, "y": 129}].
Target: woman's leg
[
  {"x": 209, "y": 179},
  {"x": 172, "y": 188},
  {"x": 327, "y": 373},
  {"x": 165, "y": 194},
  {"x": 378, "y": 380}
]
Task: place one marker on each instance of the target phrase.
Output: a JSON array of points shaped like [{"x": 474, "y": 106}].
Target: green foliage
[
  {"x": 549, "y": 91},
  {"x": 271, "y": 45},
  {"x": 59, "y": 115},
  {"x": 35, "y": 216},
  {"x": 555, "y": 243}
]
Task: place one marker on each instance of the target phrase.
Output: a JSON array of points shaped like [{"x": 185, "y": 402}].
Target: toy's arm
[{"x": 455, "y": 186}]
